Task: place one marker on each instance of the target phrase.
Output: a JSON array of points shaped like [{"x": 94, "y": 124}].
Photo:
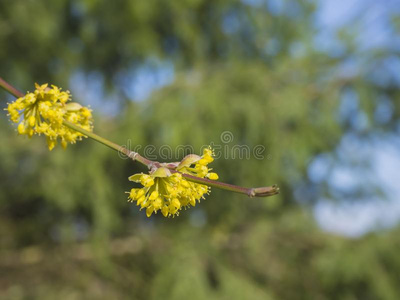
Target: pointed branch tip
[{"x": 264, "y": 191}]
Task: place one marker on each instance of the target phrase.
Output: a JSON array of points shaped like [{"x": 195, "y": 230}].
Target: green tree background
[{"x": 247, "y": 67}]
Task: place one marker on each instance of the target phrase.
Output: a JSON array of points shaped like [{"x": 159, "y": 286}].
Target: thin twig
[{"x": 251, "y": 192}]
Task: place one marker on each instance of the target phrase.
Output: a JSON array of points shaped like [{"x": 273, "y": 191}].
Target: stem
[
  {"x": 131, "y": 154},
  {"x": 251, "y": 192},
  {"x": 9, "y": 88}
]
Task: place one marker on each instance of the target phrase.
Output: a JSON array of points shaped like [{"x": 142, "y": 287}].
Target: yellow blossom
[
  {"x": 168, "y": 191},
  {"x": 43, "y": 112},
  {"x": 200, "y": 163}
]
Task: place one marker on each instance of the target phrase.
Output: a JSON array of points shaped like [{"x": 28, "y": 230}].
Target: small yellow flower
[
  {"x": 43, "y": 112},
  {"x": 200, "y": 163},
  {"x": 170, "y": 191}
]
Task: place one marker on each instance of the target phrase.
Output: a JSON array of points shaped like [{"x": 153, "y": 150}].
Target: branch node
[{"x": 133, "y": 155}]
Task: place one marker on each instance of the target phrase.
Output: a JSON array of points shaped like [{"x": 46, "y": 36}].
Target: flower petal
[
  {"x": 161, "y": 172},
  {"x": 135, "y": 177},
  {"x": 188, "y": 160}
]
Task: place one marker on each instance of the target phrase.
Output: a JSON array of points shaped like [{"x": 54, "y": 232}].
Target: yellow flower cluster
[
  {"x": 43, "y": 112},
  {"x": 170, "y": 191}
]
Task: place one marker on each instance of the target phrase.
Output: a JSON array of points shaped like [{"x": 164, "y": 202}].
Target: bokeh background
[{"x": 315, "y": 82}]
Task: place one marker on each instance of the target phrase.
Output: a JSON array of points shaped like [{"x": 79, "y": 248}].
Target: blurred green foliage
[{"x": 66, "y": 230}]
